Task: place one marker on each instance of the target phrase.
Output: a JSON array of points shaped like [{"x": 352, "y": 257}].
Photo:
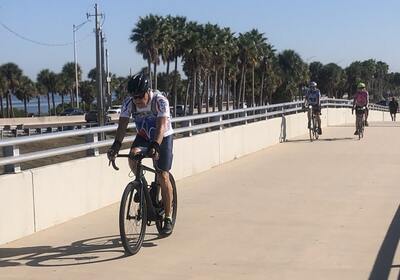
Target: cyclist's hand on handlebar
[
  {"x": 154, "y": 150},
  {"x": 113, "y": 150}
]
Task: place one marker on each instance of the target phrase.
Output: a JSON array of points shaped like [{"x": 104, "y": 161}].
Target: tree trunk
[
  {"x": 155, "y": 75},
  {"x": 262, "y": 89},
  {"x": 244, "y": 99},
  {"x": 200, "y": 97},
  {"x": 215, "y": 89},
  {"x": 11, "y": 105},
  {"x": 234, "y": 96},
  {"x": 7, "y": 104},
  {"x": 208, "y": 94},
  {"x": 25, "y": 109},
  {"x": 54, "y": 104},
  {"x": 2, "y": 106},
  {"x": 228, "y": 90},
  {"x": 186, "y": 97},
  {"x": 38, "y": 102},
  {"x": 222, "y": 94},
  {"x": 62, "y": 100},
  {"x": 71, "y": 98},
  {"x": 253, "y": 100},
  {"x": 193, "y": 95},
  {"x": 239, "y": 99},
  {"x": 167, "y": 81},
  {"x": 149, "y": 72},
  {"x": 174, "y": 85},
  {"x": 48, "y": 104}
]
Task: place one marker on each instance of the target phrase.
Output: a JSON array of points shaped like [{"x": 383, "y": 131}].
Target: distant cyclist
[
  {"x": 150, "y": 111},
  {"x": 313, "y": 98},
  {"x": 393, "y": 107},
  {"x": 361, "y": 99}
]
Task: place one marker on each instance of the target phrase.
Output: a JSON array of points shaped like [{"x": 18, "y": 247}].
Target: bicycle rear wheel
[
  {"x": 132, "y": 218},
  {"x": 359, "y": 126},
  {"x": 160, "y": 224}
]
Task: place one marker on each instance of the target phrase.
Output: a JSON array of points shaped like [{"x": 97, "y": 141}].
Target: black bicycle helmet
[{"x": 138, "y": 85}]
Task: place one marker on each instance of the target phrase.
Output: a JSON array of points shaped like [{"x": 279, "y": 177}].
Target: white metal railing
[{"x": 183, "y": 125}]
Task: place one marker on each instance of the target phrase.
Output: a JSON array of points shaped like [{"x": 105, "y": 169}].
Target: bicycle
[
  {"x": 360, "y": 121},
  {"x": 313, "y": 128},
  {"x": 141, "y": 204}
]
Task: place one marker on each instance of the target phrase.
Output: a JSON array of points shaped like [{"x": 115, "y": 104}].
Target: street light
[{"x": 74, "y": 29}]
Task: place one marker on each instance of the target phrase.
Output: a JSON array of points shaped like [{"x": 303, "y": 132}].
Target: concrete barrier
[
  {"x": 40, "y": 198},
  {"x": 42, "y": 120}
]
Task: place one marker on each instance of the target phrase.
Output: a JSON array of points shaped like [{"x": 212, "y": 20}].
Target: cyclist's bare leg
[
  {"x": 309, "y": 118},
  {"x": 133, "y": 163},
  {"x": 166, "y": 191},
  {"x": 318, "y": 117}
]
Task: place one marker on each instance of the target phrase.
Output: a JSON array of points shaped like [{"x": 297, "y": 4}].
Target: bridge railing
[{"x": 183, "y": 127}]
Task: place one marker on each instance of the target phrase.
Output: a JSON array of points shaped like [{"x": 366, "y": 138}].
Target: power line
[{"x": 41, "y": 43}]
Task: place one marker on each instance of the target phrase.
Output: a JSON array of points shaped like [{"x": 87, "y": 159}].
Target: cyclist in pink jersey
[{"x": 361, "y": 99}]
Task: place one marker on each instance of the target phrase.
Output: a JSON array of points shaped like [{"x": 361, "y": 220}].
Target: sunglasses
[{"x": 138, "y": 96}]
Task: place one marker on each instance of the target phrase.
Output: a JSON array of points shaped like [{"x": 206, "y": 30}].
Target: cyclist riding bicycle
[
  {"x": 361, "y": 99},
  {"x": 150, "y": 111},
  {"x": 313, "y": 98}
]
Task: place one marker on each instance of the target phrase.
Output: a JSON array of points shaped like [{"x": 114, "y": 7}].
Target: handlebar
[{"x": 138, "y": 157}]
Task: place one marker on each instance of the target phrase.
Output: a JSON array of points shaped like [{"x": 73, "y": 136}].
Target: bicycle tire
[
  {"x": 359, "y": 126},
  {"x": 160, "y": 224},
  {"x": 130, "y": 245}
]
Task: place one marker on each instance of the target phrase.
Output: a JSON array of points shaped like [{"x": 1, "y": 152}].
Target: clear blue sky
[{"x": 339, "y": 31}]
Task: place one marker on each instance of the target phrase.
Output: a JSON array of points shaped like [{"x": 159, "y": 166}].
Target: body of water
[{"x": 32, "y": 105}]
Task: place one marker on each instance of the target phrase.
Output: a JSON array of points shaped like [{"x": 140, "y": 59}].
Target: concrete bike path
[{"x": 297, "y": 210}]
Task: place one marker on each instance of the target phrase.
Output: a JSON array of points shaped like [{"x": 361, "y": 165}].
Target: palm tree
[
  {"x": 178, "y": 36},
  {"x": 167, "y": 45},
  {"x": 246, "y": 52},
  {"x": 12, "y": 74},
  {"x": 146, "y": 35},
  {"x": 38, "y": 92},
  {"x": 68, "y": 71},
  {"x": 25, "y": 91},
  {"x": 192, "y": 57},
  {"x": 3, "y": 92},
  {"x": 87, "y": 90},
  {"x": 48, "y": 82},
  {"x": 330, "y": 78},
  {"x": 295, "y": 73}
]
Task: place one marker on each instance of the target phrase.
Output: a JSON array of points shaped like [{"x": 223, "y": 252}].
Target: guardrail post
[
  {"x": 220, "y": 120},
  {"x": 245, "y": 115},
  {"x": 11, "y": 151},
  {"x": 190, "y": 125},
  {"x": 92, "y": 138}
]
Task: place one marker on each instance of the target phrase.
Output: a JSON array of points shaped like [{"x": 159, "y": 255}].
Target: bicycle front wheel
[{"x": 132, "y": 218}]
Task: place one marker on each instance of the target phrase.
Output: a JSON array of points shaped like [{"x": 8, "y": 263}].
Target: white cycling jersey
[
  {"x": 145, "y": 118},
  {"x": 313, "y": 97}
]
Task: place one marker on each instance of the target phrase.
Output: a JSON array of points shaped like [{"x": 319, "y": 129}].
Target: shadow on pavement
[
  {"x": 322, "y": 139},
  {"x": 384, "y": 260},
  {"x": 87, "y": 251}
]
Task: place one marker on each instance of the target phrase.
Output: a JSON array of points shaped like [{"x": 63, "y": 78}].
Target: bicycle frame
[
  {"x": 360, "y": 118},
  {"x": 313, "y": 129},
  {"x": 153, "y": 212}
]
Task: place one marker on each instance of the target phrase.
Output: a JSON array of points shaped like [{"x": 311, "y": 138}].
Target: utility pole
[
  {"x": 99, "y": 69},
  {"x": 76, "y": 67},
  {"x": 108, "y": 80},
  {"x": 103, "y": 69}
]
